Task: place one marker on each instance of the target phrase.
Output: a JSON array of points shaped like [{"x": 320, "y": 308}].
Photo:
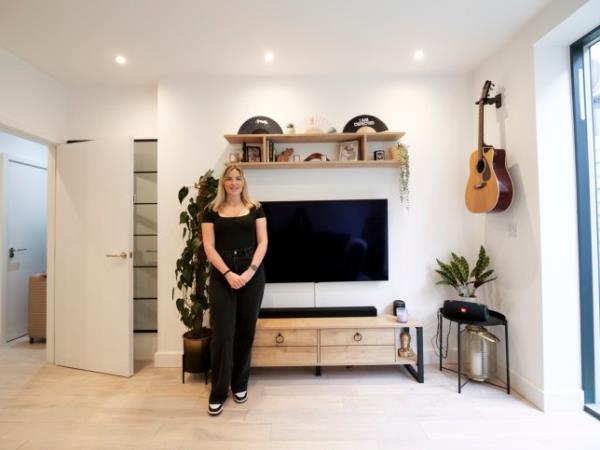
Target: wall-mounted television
[{"x": 326, "y": 240}]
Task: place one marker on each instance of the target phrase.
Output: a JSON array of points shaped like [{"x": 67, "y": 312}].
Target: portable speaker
[
  {"x": 466, "y": 310},
  {"x": 398, "y": 304}
]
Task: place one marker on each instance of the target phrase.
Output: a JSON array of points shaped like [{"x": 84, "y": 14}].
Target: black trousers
[{"x": 233, "y": 315}]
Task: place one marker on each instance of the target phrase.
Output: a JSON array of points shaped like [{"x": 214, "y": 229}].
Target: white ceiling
[{"x": 76, "y": 40}]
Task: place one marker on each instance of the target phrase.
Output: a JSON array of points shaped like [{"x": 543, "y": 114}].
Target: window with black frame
[{"x": 585, "y": 63}]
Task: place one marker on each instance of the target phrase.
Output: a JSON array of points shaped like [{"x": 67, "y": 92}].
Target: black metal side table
[{"x": 495, "y": 319}]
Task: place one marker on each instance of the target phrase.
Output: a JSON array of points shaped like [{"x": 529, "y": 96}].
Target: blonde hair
[{"x": 221, "y": 197}]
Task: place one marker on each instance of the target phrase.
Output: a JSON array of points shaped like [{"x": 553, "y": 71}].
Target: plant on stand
[
  {"x": 456, "y": 273},
  {"x": 191, "y": 272}
]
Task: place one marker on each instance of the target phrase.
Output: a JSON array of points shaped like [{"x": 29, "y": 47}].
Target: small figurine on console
[
  {"x": 405, "y": 351},
  {"x": 285, "y": 155}
]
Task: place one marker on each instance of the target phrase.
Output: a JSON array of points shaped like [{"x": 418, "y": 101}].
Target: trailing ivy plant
[
  {"x": 403, "y": 157},
  {"x": 456, "y": 273},
  {"x": 192, "y": 266}
]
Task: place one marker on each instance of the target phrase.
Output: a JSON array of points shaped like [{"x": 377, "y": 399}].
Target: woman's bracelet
[{"x": 226, "y": 272}]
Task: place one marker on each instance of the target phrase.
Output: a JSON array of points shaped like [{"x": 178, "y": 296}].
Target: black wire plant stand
[{"x": 495, "y": 319}]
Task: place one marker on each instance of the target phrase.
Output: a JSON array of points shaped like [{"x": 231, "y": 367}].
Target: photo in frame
[
  {"x": 379, "y": 155},
  {"x": 348, "y": 151},
  {"x": 253, "y": 153},
  {"x": 235, "y": 157}
]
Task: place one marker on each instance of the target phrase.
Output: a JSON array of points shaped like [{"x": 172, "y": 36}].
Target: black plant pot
[{"x": 196, "y": 356}]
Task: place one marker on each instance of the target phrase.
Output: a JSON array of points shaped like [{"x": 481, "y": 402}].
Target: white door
[
  {"x": 94, "y": 270},
  {"x": 26, "y": 208}
]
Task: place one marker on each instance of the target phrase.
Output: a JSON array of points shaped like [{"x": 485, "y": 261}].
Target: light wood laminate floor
[{"x": 43, "y": 406}]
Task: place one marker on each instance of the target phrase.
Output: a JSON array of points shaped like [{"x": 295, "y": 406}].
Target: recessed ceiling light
[
  {"x": 419, "y": 55},
  {"x": 269, "y": 57},
  {"x": 120, "y": 59}
]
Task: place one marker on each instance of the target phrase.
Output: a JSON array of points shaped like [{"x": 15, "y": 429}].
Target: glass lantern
[{"x": 481, "y": 353}]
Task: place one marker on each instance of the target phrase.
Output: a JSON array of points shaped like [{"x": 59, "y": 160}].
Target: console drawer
[
  {"x": 284, "y": 356},
  {"x": 357, "y": 336},
  {"x": 357, "y": 354},
  {"x": 285, "y": 338}
]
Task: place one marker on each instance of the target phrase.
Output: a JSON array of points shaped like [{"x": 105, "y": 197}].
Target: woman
[{"x": 234, "y": 234}]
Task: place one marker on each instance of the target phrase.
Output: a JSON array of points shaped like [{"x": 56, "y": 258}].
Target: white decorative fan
[{"x": 316, "y": 124}]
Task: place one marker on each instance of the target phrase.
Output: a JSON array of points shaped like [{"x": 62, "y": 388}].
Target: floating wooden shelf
[
  {"x": 318, "y": 164},
  {"x": 321, "y": 137},
  {"x": 264, "y": 140}
]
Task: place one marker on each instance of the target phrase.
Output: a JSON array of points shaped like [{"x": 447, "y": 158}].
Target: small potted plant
[
  {"x": 191, "y": 272},
  {"x": 456, "y": 273},
  {"x": 290, "y": 129}
]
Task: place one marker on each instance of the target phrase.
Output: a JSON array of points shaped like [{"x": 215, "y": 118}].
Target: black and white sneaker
[
  {"x": 240, "y": 397},
  {"x": 214, "y": 409}
]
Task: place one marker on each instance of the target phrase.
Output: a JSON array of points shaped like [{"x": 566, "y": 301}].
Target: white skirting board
[
  {"x": 547, "y": 401},
  {"x": 173, "y": 359},
  {"x": 167, "y": 359}
]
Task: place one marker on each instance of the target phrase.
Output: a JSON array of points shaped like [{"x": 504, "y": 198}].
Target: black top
[
  {"x": 234, "y": 232},
  {"x": 496, "y": 318}
]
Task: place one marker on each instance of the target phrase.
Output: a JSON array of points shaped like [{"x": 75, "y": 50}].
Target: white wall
[
  {"x": 538, "y": 277},
  {"x": 28, "y": 151},
  {"x": 32, "y": 151},
  {"x": 33, "y": 104},
  {"x": 435, "y": 112},
  {"x": 100, "y": 112},
  {"x": 103, "y": 112}
]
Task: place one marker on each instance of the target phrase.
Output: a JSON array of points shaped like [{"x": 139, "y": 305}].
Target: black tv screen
[{"x": 326, "y": 240}]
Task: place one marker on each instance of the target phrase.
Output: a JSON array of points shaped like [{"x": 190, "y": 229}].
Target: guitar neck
[{"x": 480, "y": 136}]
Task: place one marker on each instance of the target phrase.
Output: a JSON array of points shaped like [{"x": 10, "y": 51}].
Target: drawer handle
[
  {"x": 279, "y": 338},
  {"x": 357, "y": 337}
]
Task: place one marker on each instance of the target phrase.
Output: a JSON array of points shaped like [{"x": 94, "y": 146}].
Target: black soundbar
[{"x": 320, "y": 311}]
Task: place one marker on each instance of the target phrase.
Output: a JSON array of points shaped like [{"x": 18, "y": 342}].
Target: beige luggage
[{"x": 37, "y": 307}]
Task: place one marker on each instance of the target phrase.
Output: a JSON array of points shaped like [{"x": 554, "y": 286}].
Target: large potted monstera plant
[
  {"x": 191, "y": 272},
  {"x": 456, "y": 273}
]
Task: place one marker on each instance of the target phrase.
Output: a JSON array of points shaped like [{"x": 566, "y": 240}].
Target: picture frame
[
  {"x": 235, "y": 157},
  {"x": 379, "y": 155},
  {"x": 253, "y": 153},
  {"x": 348, "y": 151}
]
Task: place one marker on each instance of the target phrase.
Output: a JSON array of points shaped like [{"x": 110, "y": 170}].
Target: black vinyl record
[
  {"x": 260, "y": 125},
  {"x": 365, "y": 123}
]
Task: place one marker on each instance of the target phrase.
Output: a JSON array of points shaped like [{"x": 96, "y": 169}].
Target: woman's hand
[
  {"x": 235, "y": 281},
  {"x": 247, "y": 275}
]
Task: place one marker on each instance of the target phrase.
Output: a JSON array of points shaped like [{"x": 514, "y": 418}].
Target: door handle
[
  {"x": 118, "y": 255},
  {"x": 12, "y": 250}
]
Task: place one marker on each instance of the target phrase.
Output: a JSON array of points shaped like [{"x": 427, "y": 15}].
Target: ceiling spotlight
[
  {"x": 269, "y": 57},
  {"x": 419, "y": 55},
  {"x": 120, "y": 59}
]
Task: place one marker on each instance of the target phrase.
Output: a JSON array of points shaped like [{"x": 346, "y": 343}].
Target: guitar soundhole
[{"x": 481, "y": 166}]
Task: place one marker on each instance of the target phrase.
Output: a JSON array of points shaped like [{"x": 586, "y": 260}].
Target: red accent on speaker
[{"x": 463, "y": 310}]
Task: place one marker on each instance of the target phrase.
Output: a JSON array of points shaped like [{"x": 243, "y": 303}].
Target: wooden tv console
[{"x": 335, "y": 341}]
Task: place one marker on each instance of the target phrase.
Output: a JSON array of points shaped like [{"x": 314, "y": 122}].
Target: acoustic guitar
[{"x": 489, "y": 188}]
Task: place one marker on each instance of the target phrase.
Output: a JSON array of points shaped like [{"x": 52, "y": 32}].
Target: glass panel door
[
  {"x": 592, "y": 82},
  {"x": 585, "y": 62}
]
